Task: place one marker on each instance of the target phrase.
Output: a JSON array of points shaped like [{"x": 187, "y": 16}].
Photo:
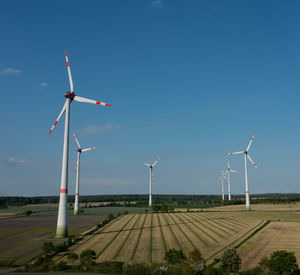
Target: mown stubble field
[{"x": 146, "y": 237}]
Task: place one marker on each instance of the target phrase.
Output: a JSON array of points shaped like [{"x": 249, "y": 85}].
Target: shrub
[
  {"x": 73, "y": 257},
  {"x": 283, "y": 262},
  {"x": 173, "y": 256},
  {"x": 87, "y": 258},
  {"x": 48, "y": 247},
  {"x": 28, "y": 212},
  {"x": 230, "y": 261}
]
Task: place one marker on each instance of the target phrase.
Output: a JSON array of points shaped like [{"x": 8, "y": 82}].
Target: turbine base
[{"x": 61, "y": 232}]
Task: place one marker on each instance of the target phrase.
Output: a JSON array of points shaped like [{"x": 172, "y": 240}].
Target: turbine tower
[
  {"x": 246, "y": 155},
  {"x": 150, "y": 179},
  {"x": 79, "y": 151},
  {"x": 62, "y": 220},
  {"x": 228, "y": 171},
  {"x": 221, "y": 178}
]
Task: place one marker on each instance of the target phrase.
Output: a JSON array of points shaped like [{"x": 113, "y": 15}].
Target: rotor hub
[
  {"x": 70, "y": 95},
  {"x": 79, "y": 150}
]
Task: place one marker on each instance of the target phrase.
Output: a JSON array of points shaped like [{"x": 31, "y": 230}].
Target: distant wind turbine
[
  {"x": 246, "y": 155},
  {"x": 62, "y": 220},
  {"x": 228, "y": 171},
  {"x": 79, "y": 151},
  {"x": 150, "y": 179},
  {"x": 221, "y": 178}
]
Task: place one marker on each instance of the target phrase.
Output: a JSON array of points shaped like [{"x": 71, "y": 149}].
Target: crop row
[{"x": 146, "y": 237}]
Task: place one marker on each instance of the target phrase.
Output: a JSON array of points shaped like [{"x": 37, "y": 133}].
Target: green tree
[
  {"x": 173, "y": 256},
  {"x": 73, "y": 257},
  {"x": 87, "y": 259},
  {"x": 283, "y": 262},
  {"x": 230, "y": 261},
  {"x": 28, "y": 212},
  {"x": 48, "y": 247},
  {"x": 197, "y": 262},
  {"x": 62, "y": 266}
]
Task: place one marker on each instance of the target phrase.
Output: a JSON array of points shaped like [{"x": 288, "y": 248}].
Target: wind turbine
[
  {"x": 246, "y": 155},
  {"x": 221, "y": 178},
  {"x": 228, "y": 171},
  {"x": 62, "y": 220},
  {"x": 79, "y": 151},
  {"x": 150, "y": 179}
]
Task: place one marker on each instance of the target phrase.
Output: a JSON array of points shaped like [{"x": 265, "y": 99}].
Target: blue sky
[{"x": 188, "y": 81}]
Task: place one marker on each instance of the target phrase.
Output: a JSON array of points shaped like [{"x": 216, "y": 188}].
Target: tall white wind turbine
[
  {"x": 221, "y": 178},
  {"x": 228, "y": 171},
  {"x": 150, "y": 179},
  {"x": 246, "y": 155},
  {"x": 62, "y": 220},
  {"x": 79, "y": 151}
]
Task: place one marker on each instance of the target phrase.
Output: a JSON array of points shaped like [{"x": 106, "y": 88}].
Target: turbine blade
[
  {"x": 145, "y": 163},
  {"x": 250, "y": 142},
  {"x": 242, "y": 152},
  {"x": 69, "y": 73},
  {"x": 228, "y": 164},
  {"x": 82, "y": 99},
  {"x": 234, "y": 171},
  {"x": 252, "y": 161},
  {"x": 88, "y": 149},
  {"x": 76, "y": 140},
  {"x": 155, "y": 162},
  {"x": 61, "y": 113}
]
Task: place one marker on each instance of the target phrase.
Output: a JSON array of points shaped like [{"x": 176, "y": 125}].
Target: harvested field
[
  {"x": 258, "y": 207},
  {"x": 275, "y": 236},
  {"x": 146, "y": 237},
  {"x": 21, "y": 238}
]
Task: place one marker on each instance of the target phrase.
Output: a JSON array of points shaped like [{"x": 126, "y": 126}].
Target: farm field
[
  {"x": 258, "y": 207},
  {"x": 276, "y": 235},
  {"x": 146, "y": 237},
  {"x": 51, "y": 210},
  {"x": 21, "y": 237}
]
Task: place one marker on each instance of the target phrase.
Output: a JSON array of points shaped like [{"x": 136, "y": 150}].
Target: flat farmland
[
  {"x": 146, "y": 237},
  {"x": 276, "y": 235},
  {"x": 21, "y": 238}
]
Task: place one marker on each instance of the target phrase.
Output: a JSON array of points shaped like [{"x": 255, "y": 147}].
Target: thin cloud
[
  {"x": 44, "y": 84},
  {"x": 157, "y": 3},
  {"x": 95, "y": 129},
  {"x": 108, "y": 182},
  {"x": 10, "y": 71},
  {"x": 6, "y": 161}
]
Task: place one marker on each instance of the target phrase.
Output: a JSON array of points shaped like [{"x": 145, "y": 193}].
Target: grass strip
[
  {"x": 172, "y": 232},
  {"x": 214, "y": 254},
  {"x": 214, "y": 224},
  {"x": 150, "y": 240},
  {"x": 219, "y": 220},
  {"x": 162, "y": 233},
  {"x": 252, "y": 234},
  {"x": 123, "y": 243},
  {"x": 113, "y": 238},
  {"x": 138, "y": 240},
  {"x": 197, "y": 222},
  {"x": 183, "y": 233},
  {"x": 192, "y": 230}
]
